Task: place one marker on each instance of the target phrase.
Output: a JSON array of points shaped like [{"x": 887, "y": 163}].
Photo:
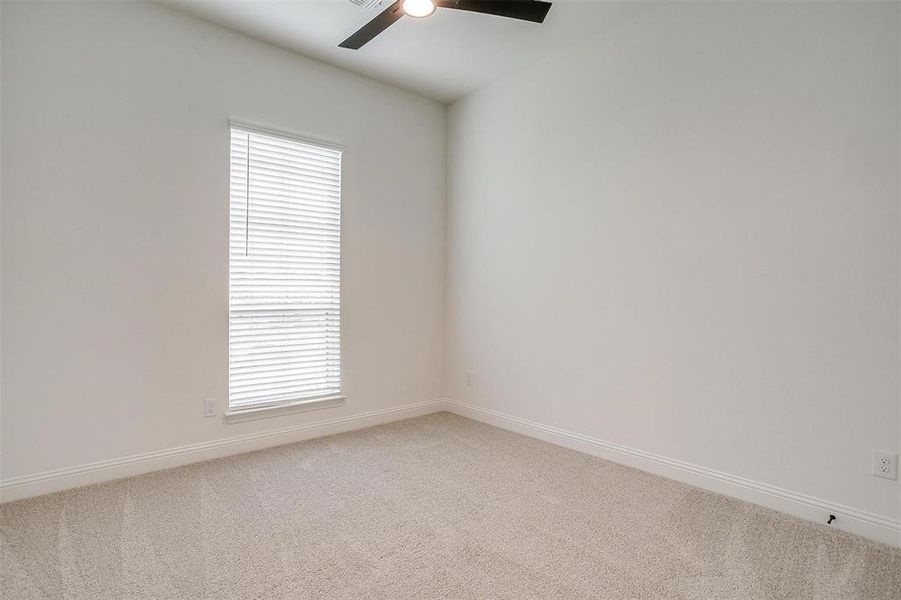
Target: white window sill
[{"x": 254, "y": 413}]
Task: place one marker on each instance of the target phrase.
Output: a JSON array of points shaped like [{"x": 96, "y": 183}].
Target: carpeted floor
[{"x": 433, "y": 507}]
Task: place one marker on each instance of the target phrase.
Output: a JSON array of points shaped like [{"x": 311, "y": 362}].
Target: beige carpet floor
[{"x": 433, "y": 507}]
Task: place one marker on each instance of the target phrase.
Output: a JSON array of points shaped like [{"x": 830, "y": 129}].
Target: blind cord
[{"x": 247, "y": 199}]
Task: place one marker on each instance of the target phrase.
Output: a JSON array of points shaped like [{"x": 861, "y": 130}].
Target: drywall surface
[
  {"x": 683, "y": 237},
  {"x": 115, "y": 225},
  {"x": 1, "y": 229}
]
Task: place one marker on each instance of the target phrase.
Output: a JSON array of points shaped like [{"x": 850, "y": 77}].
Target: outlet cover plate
[
  {"x": 885, "y": 464},
  {"x": 209, "y": 407}
]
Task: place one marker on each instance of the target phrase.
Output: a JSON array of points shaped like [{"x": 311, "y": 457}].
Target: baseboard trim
[
  {"x": 866, "y": 524},
  {"x": 71, "y": 477},
  {"x": 869, "y": 525}
]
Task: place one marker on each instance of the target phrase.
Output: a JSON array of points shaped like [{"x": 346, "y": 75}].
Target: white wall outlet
[
  {"x": 885, "y": 464},
  {"x": 467, "y": 377},
  {"x": 209, "y": 407}
]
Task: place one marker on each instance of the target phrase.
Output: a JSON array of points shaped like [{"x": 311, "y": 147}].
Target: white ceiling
[{"x": 444, "y": 57}]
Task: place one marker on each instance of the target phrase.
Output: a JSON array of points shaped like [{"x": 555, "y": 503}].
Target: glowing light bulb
[{"x": 418, "y": 8}]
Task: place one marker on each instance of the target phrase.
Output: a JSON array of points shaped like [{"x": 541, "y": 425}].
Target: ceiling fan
[{"x": 526, "y": 10}]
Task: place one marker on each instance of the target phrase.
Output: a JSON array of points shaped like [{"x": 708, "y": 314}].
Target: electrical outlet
[
  {"x": 209, "y": 407},
  {"x": 885, "y": 464},
  {"x": 468, "y": 377}
]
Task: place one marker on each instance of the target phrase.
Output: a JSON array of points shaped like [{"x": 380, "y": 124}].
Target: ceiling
[{"x": 444, "y": 57}]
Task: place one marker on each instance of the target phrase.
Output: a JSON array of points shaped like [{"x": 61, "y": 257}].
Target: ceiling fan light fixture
[
  {"x": 524, "y": 10},
  {"x": 418, "y": 8}
]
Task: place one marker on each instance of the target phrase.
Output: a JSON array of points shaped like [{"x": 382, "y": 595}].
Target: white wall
[
  {"x": 115, "y": 208},
  {"x": 683, "y": 237},
  {"x": 1, "y": 236}
]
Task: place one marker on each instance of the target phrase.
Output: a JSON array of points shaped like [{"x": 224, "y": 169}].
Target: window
[{"x": 284, "y": 270}]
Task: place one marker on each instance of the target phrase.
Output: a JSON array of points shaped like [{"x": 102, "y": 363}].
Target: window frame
[{"x": 265, "y": 409}]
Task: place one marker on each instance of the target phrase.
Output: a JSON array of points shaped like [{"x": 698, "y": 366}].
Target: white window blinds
[{"x": 284, "y": 270}]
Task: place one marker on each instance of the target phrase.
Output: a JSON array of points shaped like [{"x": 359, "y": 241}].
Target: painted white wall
[
  {"x": 683, "y": 237},
  {"x": 1, "y": 236},
  {"x": 115, "y": 212}
]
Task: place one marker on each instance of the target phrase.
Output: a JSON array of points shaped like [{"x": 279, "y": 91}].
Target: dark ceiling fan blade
[
  {"x": 380, "y": 23},
  {"x": 526, "y": 10}
]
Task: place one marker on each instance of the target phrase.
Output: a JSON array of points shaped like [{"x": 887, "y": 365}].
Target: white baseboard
[
  {"x": 106, "y": 470},
  {"x": 869, "y": 525}
]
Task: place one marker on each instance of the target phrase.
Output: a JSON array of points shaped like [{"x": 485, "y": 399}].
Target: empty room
[{"x": 463, "y": 299}]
